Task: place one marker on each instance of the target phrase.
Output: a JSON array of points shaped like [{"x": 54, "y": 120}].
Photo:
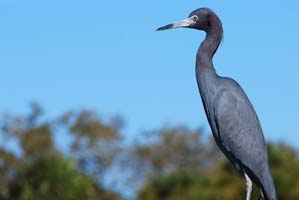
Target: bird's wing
[{"x": 239, "y": 129}]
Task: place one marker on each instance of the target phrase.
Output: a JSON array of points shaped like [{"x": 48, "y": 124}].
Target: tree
[
  {"x": 284, "y": 162},
  {"x": 33, "y": 134},
  {"x": 168, "y": 149},
  {"x": 169, "y": 163},
  {"x": 95, "y": 143},
  {"x": 222, "y": 181},
  {"x": 52, "y": 177},
  {"x": 39, "y": 170},
  {"x": 179, "y": 185}
]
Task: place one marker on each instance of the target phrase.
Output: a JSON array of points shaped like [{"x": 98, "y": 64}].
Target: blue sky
[{"x": 105, "y": 55}]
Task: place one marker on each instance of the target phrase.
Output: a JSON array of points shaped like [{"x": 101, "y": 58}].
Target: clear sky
[{"x": 105, "y": 55}]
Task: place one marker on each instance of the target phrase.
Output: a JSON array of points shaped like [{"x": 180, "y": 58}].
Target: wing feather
[{"x": 240, "y": 131}]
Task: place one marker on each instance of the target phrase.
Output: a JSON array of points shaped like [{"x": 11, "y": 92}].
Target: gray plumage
[{"x": 232, "y": 118}]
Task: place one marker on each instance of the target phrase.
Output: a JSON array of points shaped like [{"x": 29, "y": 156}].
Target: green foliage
[
  {"x": 169, "y": 149},
  {"x": 174, "y": 163},
  {"x": 222, "y": 181},
  {"x": 95, "y": 143},
  {"x": 40, "y": 170},
  {"x": 192, "y": 186},
  {"x": 284, "y": 162},
  {"x": 61, "y": 181},
  {"x": 179, "y": 185}
]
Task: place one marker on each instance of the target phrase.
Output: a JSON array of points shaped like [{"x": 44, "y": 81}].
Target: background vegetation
[{"x": 96, "y": 162}]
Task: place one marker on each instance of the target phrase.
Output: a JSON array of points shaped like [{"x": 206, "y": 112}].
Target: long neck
[{"x": 209, "y": 46}]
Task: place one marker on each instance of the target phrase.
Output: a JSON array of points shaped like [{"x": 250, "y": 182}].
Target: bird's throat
[
  {"x": 207, "y": 49},
  {"x": 205, "y": 71}
]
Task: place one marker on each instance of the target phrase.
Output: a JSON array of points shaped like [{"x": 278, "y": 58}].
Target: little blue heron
[{"x": 232, "y": 118}]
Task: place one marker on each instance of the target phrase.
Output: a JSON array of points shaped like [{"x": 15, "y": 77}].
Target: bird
[{"x": 234, "y": 123}]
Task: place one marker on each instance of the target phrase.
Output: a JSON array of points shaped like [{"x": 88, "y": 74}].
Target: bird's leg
[
  {"x": 262, "y": 195},
  {"x": 248, "y": 187}
]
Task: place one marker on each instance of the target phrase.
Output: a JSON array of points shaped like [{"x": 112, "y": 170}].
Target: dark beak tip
[{"x": 169, "y": 26}]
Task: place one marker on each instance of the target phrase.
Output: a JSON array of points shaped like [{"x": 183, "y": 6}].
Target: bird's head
[{"x": 198, "y": 19}]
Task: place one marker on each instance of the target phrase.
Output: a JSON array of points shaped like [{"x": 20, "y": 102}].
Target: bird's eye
[{"x": 194, "y": 18}]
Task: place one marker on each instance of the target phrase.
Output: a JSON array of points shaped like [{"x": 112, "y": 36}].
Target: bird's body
[
  {"x": 232, "y": 118},
  {"x": 236, "y": 128}
]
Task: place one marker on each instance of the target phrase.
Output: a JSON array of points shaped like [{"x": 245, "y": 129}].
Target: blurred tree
[
  {"x": 53, "y": 177},
  {"x": 179, "y": 185},
  {"x": 169, "y": 149},
  {"x": 38, "y": 170},
  {"x": 96, "y": 144},
  {"x": 170, "y": 163},
  {"x": 223, "y": 183},
  {"x": 9, "y": 165},
  {"x": 34, "y": 136},
  {"x": 284, "y": 162}
]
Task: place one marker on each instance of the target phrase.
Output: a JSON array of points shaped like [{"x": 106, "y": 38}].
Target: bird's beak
[{"x": 184, "y": 23}]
